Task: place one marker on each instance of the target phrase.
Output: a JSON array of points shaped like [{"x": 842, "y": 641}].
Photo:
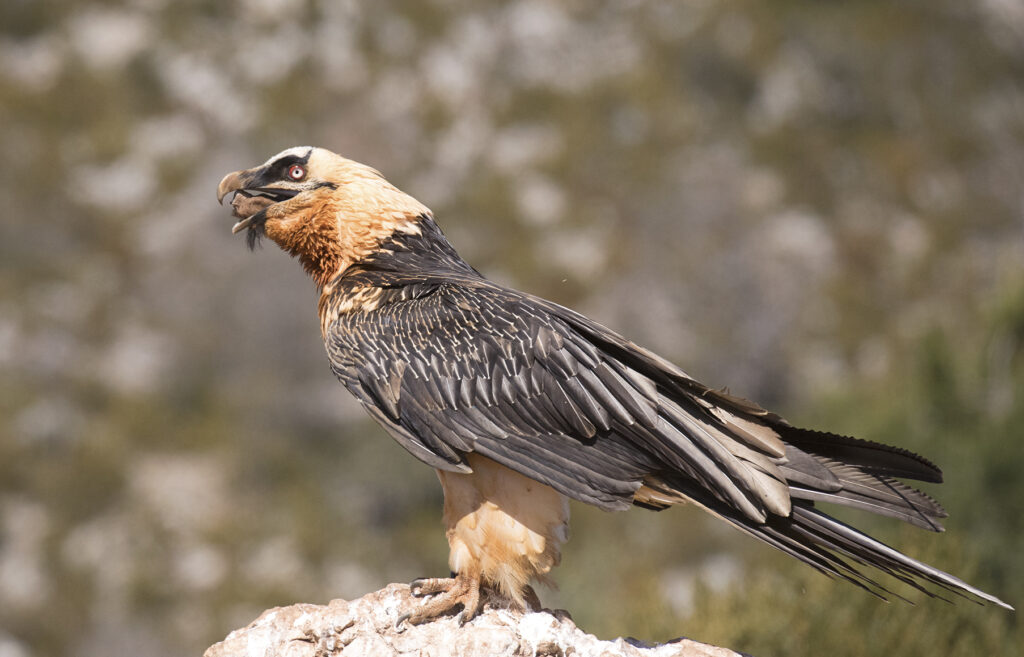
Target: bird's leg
[{"x": 462, "y": 590}]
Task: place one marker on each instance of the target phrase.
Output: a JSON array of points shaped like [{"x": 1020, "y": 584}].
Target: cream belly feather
[{"x": 503, "y": 527}]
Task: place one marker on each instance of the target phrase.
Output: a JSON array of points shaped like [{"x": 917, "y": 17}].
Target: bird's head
[{"x": 325, "y": 209}]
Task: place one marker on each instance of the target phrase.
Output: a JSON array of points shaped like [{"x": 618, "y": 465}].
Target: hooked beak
[
  {"x": 233, "y": 182},
  {"x": 229, "y": 183},
  {"x": 249, "y": 201}
]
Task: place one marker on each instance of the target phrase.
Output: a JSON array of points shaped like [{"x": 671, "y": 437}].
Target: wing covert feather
[{"x": 491, "y": 371}]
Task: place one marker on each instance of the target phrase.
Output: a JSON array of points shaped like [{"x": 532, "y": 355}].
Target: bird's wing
[
  {"x": 472, "y": 367},
  {"x": 816, "y": 466},
  {"x": 476, "y": 367}
]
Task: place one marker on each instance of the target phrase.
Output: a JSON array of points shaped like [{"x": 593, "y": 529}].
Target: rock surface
[{"x": 366, "y": 627}]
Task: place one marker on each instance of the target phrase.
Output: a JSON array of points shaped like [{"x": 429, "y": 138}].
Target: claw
[
  {"x": 401, "y": 619},
  {"x": 431, "y": 585},
  {"x": 448, "y": 593},
  {"x": 531, "y": 599}
]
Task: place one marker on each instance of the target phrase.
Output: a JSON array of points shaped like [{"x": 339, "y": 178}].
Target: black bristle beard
[{"x": 254, "y": 237}]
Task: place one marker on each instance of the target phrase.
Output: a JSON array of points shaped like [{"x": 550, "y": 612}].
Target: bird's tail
[
  {"x": 820, "y": 538},
  {"x": 860, "y": 474},
  {"x": 829, "y": 546},
  {"x": 815, "y": 466}
]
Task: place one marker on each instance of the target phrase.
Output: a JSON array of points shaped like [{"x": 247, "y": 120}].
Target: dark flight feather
[{"x": 450, "y": 363}]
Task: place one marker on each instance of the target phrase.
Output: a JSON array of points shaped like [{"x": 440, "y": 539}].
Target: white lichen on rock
[{"x": 366, "y": 627}]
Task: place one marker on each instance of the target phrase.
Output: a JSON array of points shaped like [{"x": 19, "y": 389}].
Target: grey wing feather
[{"x": 473, "y": 367}]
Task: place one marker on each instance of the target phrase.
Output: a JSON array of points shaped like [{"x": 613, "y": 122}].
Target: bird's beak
[
  {"x": 229, "y": 183},
  {"x": 241, "y": 225},
  {"x": 234, "y": 182},
  {"x": 251, "y": 198}
]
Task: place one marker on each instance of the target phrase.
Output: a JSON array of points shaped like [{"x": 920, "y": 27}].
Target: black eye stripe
[
  {"x": 284, "y": 164},
  {"x": 287, "y": 161}
]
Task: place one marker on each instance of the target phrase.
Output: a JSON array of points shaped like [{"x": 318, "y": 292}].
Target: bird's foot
[{"x": 449, "y": 591}]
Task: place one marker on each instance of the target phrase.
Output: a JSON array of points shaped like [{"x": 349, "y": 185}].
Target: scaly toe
[
  {"x": 470, "y": 605},
  {"x": 451, "y": 592},
  {"x": 430, "y": 586}
]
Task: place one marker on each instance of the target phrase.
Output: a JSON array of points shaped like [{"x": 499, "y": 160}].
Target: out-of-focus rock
[{"x": 366, "y": 627}]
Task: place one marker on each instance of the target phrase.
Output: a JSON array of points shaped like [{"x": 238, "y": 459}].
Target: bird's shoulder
[{"x": 454, "y": 316}]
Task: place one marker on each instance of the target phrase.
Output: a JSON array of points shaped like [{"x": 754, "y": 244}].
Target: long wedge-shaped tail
[
  {"x": 832, "y": 546},
  {"x": 824, "y": 531},
  {"x": 829, "y": 545}
]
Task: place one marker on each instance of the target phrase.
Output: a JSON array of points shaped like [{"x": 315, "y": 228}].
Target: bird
[{"x": 521, "y": 404}]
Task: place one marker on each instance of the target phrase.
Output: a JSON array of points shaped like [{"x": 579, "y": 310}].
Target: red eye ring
[{"x": 296, "y": 172}]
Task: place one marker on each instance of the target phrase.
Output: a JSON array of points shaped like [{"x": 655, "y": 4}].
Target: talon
[
  {"x": 531, "y": 599},
  {"x": 430, "y": 585},
  {"x": 401, "y": 619},
  {"x": 470, "y": 605},
  {"x": 449, "y": 592}
]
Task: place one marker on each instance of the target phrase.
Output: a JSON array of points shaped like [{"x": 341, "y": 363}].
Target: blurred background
[{"x": 819, "y": 205}]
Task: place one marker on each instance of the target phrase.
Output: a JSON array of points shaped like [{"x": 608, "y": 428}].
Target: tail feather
[
  {"x": 886, "y": 489},
  {"x": 871, "y": 504},
  {"x": 869, "y": 456},
  {"x": 833, "y": 547},
  {"x": 861, "y": 475},
  {"x": 877, "y": 494},
  {"x": 835, "y": 535},
  {"x": 824, "y": 467}
]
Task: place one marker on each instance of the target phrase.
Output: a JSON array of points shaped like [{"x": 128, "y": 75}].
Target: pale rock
[{"x": 366, "y": 628}]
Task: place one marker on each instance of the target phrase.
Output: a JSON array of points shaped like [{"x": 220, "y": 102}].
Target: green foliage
[{"x": 790, "y": 611}]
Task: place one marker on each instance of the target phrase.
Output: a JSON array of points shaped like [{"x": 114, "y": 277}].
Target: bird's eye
[{"x": 296, "y": 172}]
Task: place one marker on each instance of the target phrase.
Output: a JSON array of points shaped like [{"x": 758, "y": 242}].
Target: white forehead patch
[{"x": 298, "y": 151}]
